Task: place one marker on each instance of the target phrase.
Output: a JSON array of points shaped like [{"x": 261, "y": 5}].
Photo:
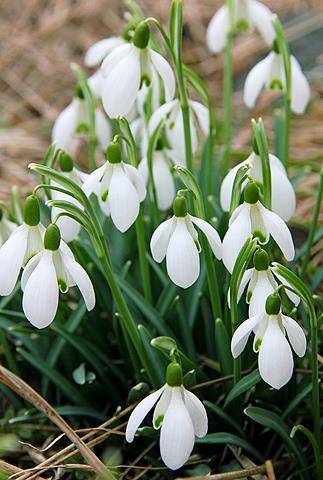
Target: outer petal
[
  {"x": 275, "y": 359},
  {"x": 241, "y": 335},
  {"x": 202, "y": 114},
  {"x": 182, "y": 258},
  {"x": 211, "y": 234},
  {"x": 12, "y": 255},
  {"x": 261, "y": 291},
  {"x": 235, "y": 238},
  {"x": 217, "y": 29},
  {"x": 177, "y": 433},
  {"x": 296, "y": 335},
  {"x": 40, "y": 300},
  {"x": 282, "y": 194},
  {"x": 301, "y": 92},
  {"x": 103, "y": 129},
  {"x": 227, "y": 185},
  {"x": 197, "y": 413},
  {"x": 166, "y": 73},
  {"x": 115, "y": 57},
  {"x": 82, "y": 280},
  {"x": 256, "y": 80},
  {"x": 291, "y": 295},
  {"x": 68, "y": 227},
  {"x": 120, "y": 88},
  {"x": 137, "y": 180},
  {"x": 65, "y": 125},
  {"x": 92, "y": 183},
  {"x": 123, "y": 199},
  {"x": 161, "y": 407},
  {"x": 140, "y": 412},
  {"x": 160, "y": 239},
  {"x": 165, "y": 186},
  {"x": 261, "y": 18},
  {"x": 99, "y": 50},
  {"x": 29, "y": 268},
  {"x": 244, "y": 281},
  {"x": 160, "y": 113},
  {"x": 280, "y": 233}
]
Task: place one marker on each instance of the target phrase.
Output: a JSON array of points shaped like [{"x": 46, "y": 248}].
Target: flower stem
[
  {"x": 144, "y": 267},
  {"x": 227, "y": 88}
]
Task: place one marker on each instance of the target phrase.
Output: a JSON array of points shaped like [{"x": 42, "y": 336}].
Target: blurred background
[{"x": 39, "y": 40}]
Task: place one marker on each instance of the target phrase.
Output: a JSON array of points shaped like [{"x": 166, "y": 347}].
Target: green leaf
[
  {"x": 224, "y": 438},
  {"x": 246, "y": 383},
  {"x": 315, "y": 445},
  {"x": 225, "y": 416}
]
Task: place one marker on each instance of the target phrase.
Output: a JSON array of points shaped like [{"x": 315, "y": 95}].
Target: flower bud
[
  {"x": 31, "y": 211},
  {"x": 174, "y": 375},
  {"x": 141, "y": 35},
  {"x": 180, "y": 206},
  {"x": 66, "y": 162},
  {"x": 261, "y": 260},
  {"x": 52, "y": 238},
  {"x": 273, "y": 304},
  {"x": 113, "y": 152},
  {"x": 251, "y": 193}
]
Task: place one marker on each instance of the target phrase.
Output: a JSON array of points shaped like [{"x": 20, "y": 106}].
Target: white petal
[
  {"x": 275, "y": 358},
  {"x": 34, "y": 241},
  {"x": 65, "y": 125},
  {"x": 227, "y": 186},
  {"x": 140, "y": 412},
  {"x": 95, "y": 82},
  {"x": 217, "y": 30},
  {"x": 68, "y": 227},
  {"x": 160, "y": 113},
  {"x": 12, "y": 255},
  {"x": 236, "y": 237},
  {"x": 160, "y": 239},
  {"x": 177, "y": 433},
  {"x": 92, "y": 183},
  {"x": 103, "y": 129},
  {"x": 40, "y": 299},
  {"x": 115, "y": 57},
  {"x": 296, "y": 335},
  {"x": 301, "y": 92},
  {"x": 29, "y": 268},
  {"x": 182, "y": 258},
  {"x": 280, "y": 233},
  {"x": 262, "y": 289},
  {"x": 211, "y": 235},
  {"x": 164, "y": 181},
  {"x": 291, "y": 295},
  {"x": 283, "y": 198},
  {"x": 123, "y": 199},
  {"x": 161, "y": 407},
  {"x": 197, "y": 413},
  {"x": 244, "y": 281},
  {"x": 137, "y": 181},
  {"x": 202, "y": 114},
  {"x": 261, "y": 18},
  {"x": 176, "y": 136},
  {"x": 81, "y": 279},
  {"x": 236, "y": 213},
  {"x": 99, "y": 50},
  {"x": 121, "y": 84},
  {"x": 241, "y": 335},
  {"x": 165, "y": 72},
  {"x": 256, "y": 80}
]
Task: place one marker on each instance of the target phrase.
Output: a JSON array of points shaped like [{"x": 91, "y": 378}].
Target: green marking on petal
[
  {"x": 249, "y": 295},
  {"x": 257, "y": 344},
  {"x": 145, "y": 80},
  {"x": 258, "y": 234},
  {"x": 104, "y": 195},
  {"x": 242, "y": 25},
  {"x": 276, "y": 84},
  {"x": 82, "y": 128},
  {"x": 62, "y": 285},
  {"x": 159, "y": 421}
]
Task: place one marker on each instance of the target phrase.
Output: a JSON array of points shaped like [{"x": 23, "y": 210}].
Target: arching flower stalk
[
  {"x": 52, "y": 270},
  {"x": 275, "y": 357},
  {"x": 177, "y": 240},
  {"x": 253, "y": 218},
  {"x": 119, "y": 187},
  {"x": 247, "y": 14},
  {"x": 179, "y": 415}
]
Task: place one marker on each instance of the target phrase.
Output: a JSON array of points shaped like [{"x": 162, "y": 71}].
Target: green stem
[
  {"x": 227, "y": 88},
  {"x": 287, "y": 130},
  {"x": 142, "y": 258}
]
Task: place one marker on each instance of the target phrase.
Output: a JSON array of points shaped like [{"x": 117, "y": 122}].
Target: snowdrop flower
[
  {"x": 49, "y": 271},
  {"x": 101, "y": 49},
  {"x": 199, "y": 119},
  {"x": 275, "y": 360},
  {"x": 270, "y": 73},
  {"x": 179, "y": 415},
  {"x": 177, "y": 239},
  {"x": 247, "y": 14},
  {"x": 283, "y": 199},
  {"x": 6, "y": 227},
  {"x": 253, "y": 218},
  {"x": 261, "y": 282},
  {"x": 163, "y": 160},
  {"x": 69, "y": 227},
  {"x": 128, "y": 67},
  {"x": 25, "y": 242},
  {"x": 75, "y": 118},
  {"x": 119, "y": 187}
]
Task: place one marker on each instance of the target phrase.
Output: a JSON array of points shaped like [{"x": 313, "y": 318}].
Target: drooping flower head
[
  {"x": 275, "y": 337},
  {"x": 128, "y": 67},
  {"x": 179, "y": 415},
  {"x": 253, "y": 218},
  {"x": 23, "y": 243},
  {"x": 6, "y": 227},
  {"x": 177, "y": 240},
  {"x": 119, "y": 187},
  {"x": 52, "y": 270},
  {"x": 247, "y": 14}
]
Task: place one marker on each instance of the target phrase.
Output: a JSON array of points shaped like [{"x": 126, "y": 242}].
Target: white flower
[
  {"x": 247, "y": 14},
  {"x": 49, "y": 271},
  {"x": 275, "y": 359},
  {"x": 76, "y": 116},
  {"x": 119, "y": 187},
  {"x": 125, "y": 69},
  {"x": 6, "y": 227},
  {"x": 99, "y": 50},
  {"x": 270, "y": 73},
  {"x": 283, "y": 199},
  {"x": 179, "y": 414},
  {"x": 253, "y": 218},
  {"x": 163, "y": 178},
  {"x": 171, "y": 111},
  {"x": 177, "y": 239},
  {"x": 24, "y": 242}
]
